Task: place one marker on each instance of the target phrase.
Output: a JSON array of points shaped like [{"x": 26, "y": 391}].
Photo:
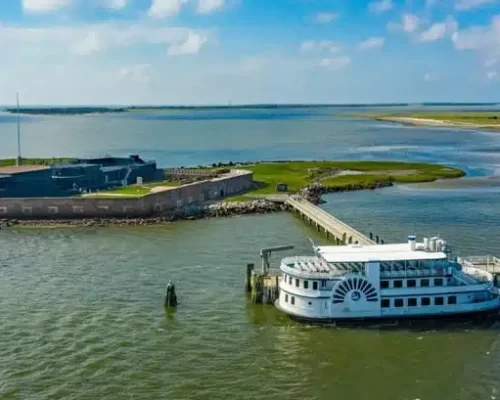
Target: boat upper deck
[{"x": 376, "y": 253}]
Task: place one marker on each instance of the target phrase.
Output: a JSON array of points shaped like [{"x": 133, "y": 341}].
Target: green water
[
  {"x": 82, "y": 318},
  {"x": 81, "y": 313}
]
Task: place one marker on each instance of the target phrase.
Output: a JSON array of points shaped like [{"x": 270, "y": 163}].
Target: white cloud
[
  {"x": 165, "y": 8},
  {"x": 44, "y": 6},
  {"x": 209, "y": 6},
  {"x": 372, "y": 43},
  {"x": 380, "y": 6},
  {"x": 428, "y": 77},
  {"x": 88, "y": 45},
  {"x": 335, "y": 63},
  {"x": 491, "y": 74},
  {"x": 92, "y": 38},
  {"x": 115, "y": 4},
  {"x": 140, "y": 73},
  {"x": 192, "y": 44},
  {"x": 409, "y": 23},
  {"x": 326, "y": 17},
  {"x": 484, "y": 38},
  {"x": 312, "y": 45},
  {"x": 490, "y": 62},
  {"x": 439, "y": 30},
  {"x": 464, "y": 5}
]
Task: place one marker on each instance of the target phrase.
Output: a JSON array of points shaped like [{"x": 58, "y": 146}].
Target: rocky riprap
[
  {"x": 223, "y": 209},
  {"x": 314, "y": 192}
]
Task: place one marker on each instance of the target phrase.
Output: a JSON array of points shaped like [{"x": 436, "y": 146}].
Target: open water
[{"x": 81, "y": 312}]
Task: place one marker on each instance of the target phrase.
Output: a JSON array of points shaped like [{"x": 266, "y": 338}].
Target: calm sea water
[{"x": 81, "y": 312}]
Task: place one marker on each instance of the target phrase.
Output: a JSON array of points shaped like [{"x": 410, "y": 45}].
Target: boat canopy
[{"x": 375, "y": 253}]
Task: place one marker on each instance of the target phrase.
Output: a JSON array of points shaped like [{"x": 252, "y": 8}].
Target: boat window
[
  {"x": 310, "y": 303},
  {"x": 384, "y": 284},
  {"x": 452, "y": 299},
  {"x": 426, "y": 301},
  {"x": 306, "y": 284},
  {"x": 398, "y": 284},
  {"x": 290, "y": 280},
  {"x": 297, "y": 283},
  {"x": 385, "y": 303},
  {"x": 398, "y": 303},
  {"x": 286, "y": 298},
  {"x": 438, "y": 301},
  {"x": 315, "y": 285},
  {"x": 293, "y": 300},
  {"x": 323, "y": 284},
  {"x": 411, "y": 283},
  {"x": 424, "y": 283},
  {"x": 438, "y": 282},
  {"x": 412, "y": 302}
]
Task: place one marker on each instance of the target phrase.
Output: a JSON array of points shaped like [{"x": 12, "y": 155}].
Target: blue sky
[{"x": 249, "y": 51}]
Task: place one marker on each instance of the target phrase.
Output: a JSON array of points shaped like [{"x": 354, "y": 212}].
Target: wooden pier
[
  {"x": 264, "y": 287},
  {"x": 335, "y": 229}
]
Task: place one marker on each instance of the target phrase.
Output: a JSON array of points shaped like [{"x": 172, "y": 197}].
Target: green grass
[
  {"x": 34, "y": 161},
  {"x": 151, "y": 185},
  {"x": 298, "y": 174},
  {"x": 134, "y": 191},
  {"x": 475, "y": 118}
]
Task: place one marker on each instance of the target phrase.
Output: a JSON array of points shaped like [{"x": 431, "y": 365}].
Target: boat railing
[
  {"x": 408, "y": 273},
  {"x": 487, "y": 263}
]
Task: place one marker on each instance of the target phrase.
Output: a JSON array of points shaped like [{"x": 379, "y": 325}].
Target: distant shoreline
[
  {"x": 476, "y": 121},
  {"x": 83, "y": 110}
]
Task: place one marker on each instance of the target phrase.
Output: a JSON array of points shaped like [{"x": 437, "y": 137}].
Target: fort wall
[{"x": 237, "y": 181}]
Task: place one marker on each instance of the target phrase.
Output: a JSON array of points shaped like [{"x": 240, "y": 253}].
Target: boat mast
[{"x": 19, "y": 159}]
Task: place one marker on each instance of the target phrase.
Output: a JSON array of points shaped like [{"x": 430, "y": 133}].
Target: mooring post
[
  {"x": 248, "y": 278},
  {"x": 257, "y": 288},
  {"x": 170, "y": 296},
  {"x": 377, "y": 239}
]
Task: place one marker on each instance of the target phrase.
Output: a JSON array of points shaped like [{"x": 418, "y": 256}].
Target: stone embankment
[
  {"x": 218, "y": 210},
  {"x": 313, "y": 193}
]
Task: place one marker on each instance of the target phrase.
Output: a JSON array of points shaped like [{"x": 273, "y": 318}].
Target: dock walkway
[{"x": 333, "y": 227}]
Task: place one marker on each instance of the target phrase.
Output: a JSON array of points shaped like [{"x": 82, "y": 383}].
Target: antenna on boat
[{"x": 19, "y": 159}]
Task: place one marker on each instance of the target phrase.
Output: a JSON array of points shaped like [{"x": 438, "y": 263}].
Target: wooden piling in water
[
  {"x": 257, "y": 288},
  {"x": 170, "y": 296},
  {"x": 248, "y": 278}
]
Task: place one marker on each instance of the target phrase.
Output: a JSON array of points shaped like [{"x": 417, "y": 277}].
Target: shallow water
[{"x": 81, "y": 311}]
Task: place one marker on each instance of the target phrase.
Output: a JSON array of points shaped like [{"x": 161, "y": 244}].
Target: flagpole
[{"x": 18, "y": 162}]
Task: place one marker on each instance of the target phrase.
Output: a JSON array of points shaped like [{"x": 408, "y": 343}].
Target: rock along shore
[
  {"x": 312, "y": 193},
  {"x": 218, "y": 210}
]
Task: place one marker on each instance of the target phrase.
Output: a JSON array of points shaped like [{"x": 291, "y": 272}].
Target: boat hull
[{"x": 480, "y": 316}]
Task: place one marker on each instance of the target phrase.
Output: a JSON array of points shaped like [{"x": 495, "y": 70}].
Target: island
[
  {"x": 311, "y": 178},
  {"x": 65, "y": 110},
  {"x": 217, "y": 190},
  {"x": 486, "y": 120}
]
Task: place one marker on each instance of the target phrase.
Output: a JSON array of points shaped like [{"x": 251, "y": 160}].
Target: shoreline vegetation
[
  {"x": 470, "y": 120},
  {"x": 311, "y": 179},
  {"x": 85, "y": 110}
]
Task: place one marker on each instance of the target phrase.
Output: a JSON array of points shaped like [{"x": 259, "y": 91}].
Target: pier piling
[
  {"x": 170, "y": 296},
  {"x": 248, "y": 278}
]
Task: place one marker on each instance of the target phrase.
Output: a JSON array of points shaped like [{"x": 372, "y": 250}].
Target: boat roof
[{"x": 379, "y": 252}]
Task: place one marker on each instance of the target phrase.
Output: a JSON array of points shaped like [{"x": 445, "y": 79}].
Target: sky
[{"x": 206, "y": 52}]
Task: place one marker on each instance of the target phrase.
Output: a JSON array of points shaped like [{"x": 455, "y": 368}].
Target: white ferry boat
[{"x": 387, "y": 281}]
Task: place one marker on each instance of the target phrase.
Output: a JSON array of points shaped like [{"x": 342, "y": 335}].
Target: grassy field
[
  {"x": 133, "y": 190},
  {"x": 479, "y": 119},
  {"x": 33, "y": 161},
  {"x": 299, "y": 174}
]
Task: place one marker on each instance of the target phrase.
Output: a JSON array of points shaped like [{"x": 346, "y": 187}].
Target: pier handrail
[{"x": 326, "y": 220}]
